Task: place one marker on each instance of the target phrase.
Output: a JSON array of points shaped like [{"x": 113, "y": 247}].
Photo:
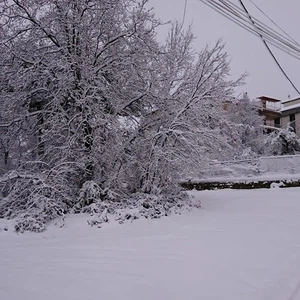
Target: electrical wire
[
  {"x": 265, "y": 28},
  {"x": 242, "y": 17},
  {"x": 184, "y": 13},
  {"x": 234, "y": 13},
  {"x": 257, "y": 21},
  {"x": 274, "y": 22},
  {"x": 238, "y": 16},
  {"x": 270, "y": 51}
]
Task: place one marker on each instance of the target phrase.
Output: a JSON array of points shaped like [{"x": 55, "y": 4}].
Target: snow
[
  {"x": 246, "y": 179},
  {"x": 290, "y": 100},
  {"x": 241, "y": 245},
  {"x": 290, "y": 107}
]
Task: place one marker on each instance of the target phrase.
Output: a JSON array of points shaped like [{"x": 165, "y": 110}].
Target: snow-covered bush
[
  {"x": 89, "y": 193},
  {"x": 282, "y": 142},
  {"x": 139, "y": 206},
  {"x": 34, "y": 201}
]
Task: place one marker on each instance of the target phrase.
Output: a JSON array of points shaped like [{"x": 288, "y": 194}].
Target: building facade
[
  {"x": 280, "y": 114},
  {"x": 270, "y": 109},
  {"x": 290, "y": 114}
]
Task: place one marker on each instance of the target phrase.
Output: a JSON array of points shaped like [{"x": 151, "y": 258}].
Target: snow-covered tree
[
  {"x": 247, "y": 125},
  {"x": 187, "y": 121},
  {"x": 71, "y": 67},
  {"x": 100, "y": 110},
  {"x": 282, "y": 142}
]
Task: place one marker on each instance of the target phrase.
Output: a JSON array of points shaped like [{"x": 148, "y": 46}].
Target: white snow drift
[{"x": 242, "y": 245}]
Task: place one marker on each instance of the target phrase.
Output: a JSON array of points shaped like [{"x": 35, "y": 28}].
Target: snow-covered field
[{"x": 240, "y": 245}]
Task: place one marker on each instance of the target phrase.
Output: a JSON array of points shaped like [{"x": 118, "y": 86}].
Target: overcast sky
[{"x": 247, "y": 52}]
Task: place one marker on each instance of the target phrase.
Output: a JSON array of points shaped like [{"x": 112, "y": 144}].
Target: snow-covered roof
[
  {"x": 290, "y": 107},
  {"x": 290, "y": 100},
  {"x": 270, "y": 99}
]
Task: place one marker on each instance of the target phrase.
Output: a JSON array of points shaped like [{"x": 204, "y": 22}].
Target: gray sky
[{"x": 247, "y": 52}]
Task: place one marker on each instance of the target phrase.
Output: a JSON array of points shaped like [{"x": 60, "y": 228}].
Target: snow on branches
[{"x": 99, "y": 110}]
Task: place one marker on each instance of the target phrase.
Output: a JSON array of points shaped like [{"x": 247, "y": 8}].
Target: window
[
  {"x": 277, "y": 122},
  {"x": 293, "y": 122}
]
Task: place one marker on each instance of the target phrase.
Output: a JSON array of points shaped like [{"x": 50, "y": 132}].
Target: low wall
[
  {"x": 255, "y": 173},
  {"x": 264, "y": 184}
]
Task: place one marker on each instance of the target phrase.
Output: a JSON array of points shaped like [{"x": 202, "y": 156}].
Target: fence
[{"x": 287, "y": 164}]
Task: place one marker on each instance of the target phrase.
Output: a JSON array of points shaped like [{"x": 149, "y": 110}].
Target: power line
[
  {"x": 238, "y": 16},
  {"x": 242, "y": 17},
  {"x": 184, "y": 13},
  {"x": 268, "y": 48},
  {"x": 263, "y": 28},
  {"x": 274, "y": 22}
]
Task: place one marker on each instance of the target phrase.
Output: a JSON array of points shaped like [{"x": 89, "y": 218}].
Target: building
[
  {"x": 270, "y": 109},
  {"x": 290, "y": 114},
  {"x": 280, "y": 114}
]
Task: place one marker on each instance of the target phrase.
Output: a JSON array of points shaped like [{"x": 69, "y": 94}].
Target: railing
[
  {"x": 285, "y": 164},
  {"x": 268, "y": 107}
]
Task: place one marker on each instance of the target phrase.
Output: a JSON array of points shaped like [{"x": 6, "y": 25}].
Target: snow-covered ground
[{"x": 240, "y": 245}]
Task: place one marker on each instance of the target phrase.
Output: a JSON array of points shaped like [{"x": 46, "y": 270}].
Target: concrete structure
[
  {"x": 290, "y": 114},
  {"x": 280, "y": 114},
  {"x": 269, "y": 108},
  {"x": 277, "y": 113}
]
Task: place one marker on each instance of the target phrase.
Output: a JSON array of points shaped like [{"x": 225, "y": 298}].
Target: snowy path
[{"x": 242, "y": 245}]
